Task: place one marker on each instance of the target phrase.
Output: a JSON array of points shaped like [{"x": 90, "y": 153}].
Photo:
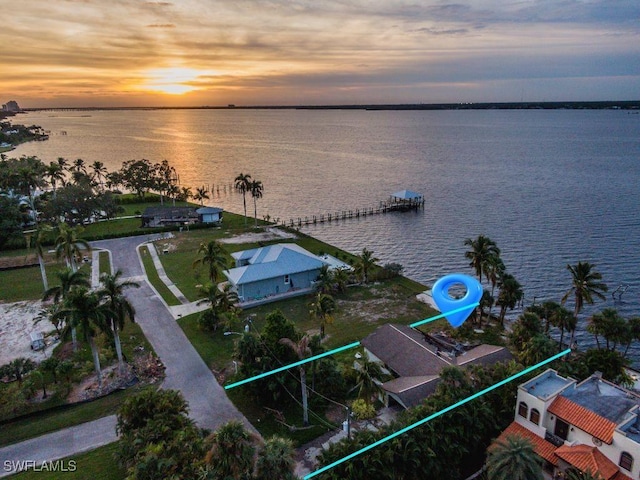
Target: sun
[{"x": 171, "y": 81}]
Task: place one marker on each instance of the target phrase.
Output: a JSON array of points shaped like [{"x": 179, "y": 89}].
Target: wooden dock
[{"x": 383, "y": 207}]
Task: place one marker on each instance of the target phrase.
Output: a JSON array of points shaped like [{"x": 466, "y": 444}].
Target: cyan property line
[
  {"x": 336, "y": 350},
  {"x": 442, "y": 315},
  {"x": 291, "y": 365},
  {"x": 437, "y": 414}
]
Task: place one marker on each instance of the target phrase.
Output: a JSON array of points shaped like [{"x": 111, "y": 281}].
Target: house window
[
  {"x": 626, "y": 461},
  {"x": 523, "y": 409},
  {"x": 535, "y": 416},
  {"x": 287, "y": 280}
]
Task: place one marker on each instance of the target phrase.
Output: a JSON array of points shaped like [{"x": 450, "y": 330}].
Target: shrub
[{"x": 362, "y": 410}]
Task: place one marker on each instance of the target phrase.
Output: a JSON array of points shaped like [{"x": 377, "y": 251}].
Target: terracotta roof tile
[
  {"x": 543, "y": 448},
  {"x": 621, "y": 476},
  {"x": 586, "y": 458},
  {"x": 583, "y": 418}
]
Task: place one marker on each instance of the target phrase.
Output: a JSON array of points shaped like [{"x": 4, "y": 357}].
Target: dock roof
[{"x": 407, "y": 195}]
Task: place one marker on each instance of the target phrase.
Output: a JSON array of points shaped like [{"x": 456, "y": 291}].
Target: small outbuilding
[{"x": 209, "y": 214}]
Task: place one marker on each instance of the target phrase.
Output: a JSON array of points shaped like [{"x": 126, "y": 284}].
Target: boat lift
[{"x": 620, "y": 289}]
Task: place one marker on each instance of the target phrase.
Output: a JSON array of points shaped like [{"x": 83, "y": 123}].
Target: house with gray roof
[
  {"x": 416, "y": 361},
  {"x": 265, "y": 272}
]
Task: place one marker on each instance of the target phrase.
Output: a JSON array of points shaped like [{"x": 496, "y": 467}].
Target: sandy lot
[
  {"x": 271, "y": 233},
  {"x": 16, "y": 323}
]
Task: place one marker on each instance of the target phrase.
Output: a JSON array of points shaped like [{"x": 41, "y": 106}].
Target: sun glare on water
[{"x": 172, "y": 81}]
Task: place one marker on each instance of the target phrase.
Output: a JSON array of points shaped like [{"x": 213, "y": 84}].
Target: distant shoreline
[{"x": 602, "y": 105}]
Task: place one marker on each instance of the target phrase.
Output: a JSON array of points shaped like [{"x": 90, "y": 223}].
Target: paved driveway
[
  {"x": 209, "y": 405},
  {"x": 185, "y": 371}
]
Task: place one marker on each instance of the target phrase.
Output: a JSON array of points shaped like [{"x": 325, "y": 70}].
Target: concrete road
[{"x": 209, "y": 405}]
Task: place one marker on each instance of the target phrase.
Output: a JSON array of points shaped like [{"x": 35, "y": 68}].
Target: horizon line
[{"x": 416, "y": 106}]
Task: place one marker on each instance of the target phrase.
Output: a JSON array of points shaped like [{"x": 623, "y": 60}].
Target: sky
[{"x": 120, "y": 53}]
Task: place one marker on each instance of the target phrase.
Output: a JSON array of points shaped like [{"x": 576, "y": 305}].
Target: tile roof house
[
  {"x": 416, "y": 362},
  {"x": 593, "y": 425},
  {"x": 265, "y": 272}
]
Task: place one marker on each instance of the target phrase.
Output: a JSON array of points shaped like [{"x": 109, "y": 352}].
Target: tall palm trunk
[
  {"x": 43, "y": 272},
  {"x": 96, "y": 359},
  {"x": 572, "y": 339},
  {"x": 305, "y": 402},
  {"x": 116, "y": 341},
  {"x": 255, "y": 211}
]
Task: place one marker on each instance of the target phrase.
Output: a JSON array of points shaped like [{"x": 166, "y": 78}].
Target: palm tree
[
  {"x": 79, "y": 166},
  {"x": 509, "y": 295},
  {"x": 325, "y": 282},
  {"x": 185, "y": 194},
  {"x": 483, "y": 253},
  {"x": 201, "y": 195},
  {"x": 322, "y": 308},
  {"x": 99, "y": 172},
  {"x": 367, "y": 377},
  {"x": 302, "y": 350},
  {"x": 242, "y": 183},
  {"x": 69, "y": 246},
  {"x": 55, "y": 174},
  {"x": 633, "y": 334},
  {"x": 276, "y": 460},
  {"x": 64, "y": 164},
  {"x": 514, "y": 458},
  {"x": 222, "y": 304},
  {"x": 68, "y": 281},
  {"x": 256, "y": 189},
  {"x": 364, "y": 263},
  {"x": 120, "y": 309},
  {"x": 486, "y": 300},
  {"x": 574, "y": 474},
  {"x": 85, "y": 309},
  {"x": 564, "y": 320},
  {"x": 214, "y": 257},
  {"x": 585, "y": 286},
  {"x": 231, "y": 456},
  {"x": 39, "y": 238}
]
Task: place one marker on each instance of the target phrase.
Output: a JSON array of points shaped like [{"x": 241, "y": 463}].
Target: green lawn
[
  {"x": 98, "y": 464},
  {"x": 105, "y": 262},
  {"x": 152, "y": 275},
  {"x": 26, "y": 283},
  {"x": 118, "y": 226},
  {"x": 49, "y": 421}
]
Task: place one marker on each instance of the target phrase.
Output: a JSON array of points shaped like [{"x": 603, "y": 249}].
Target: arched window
[
  {"x": 523, "y": 409},
  {"x": 535, "y": 416},
  {"x": 626, "y": 461}
]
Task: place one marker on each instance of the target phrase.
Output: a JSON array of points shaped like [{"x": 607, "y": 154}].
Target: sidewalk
[{"x": 56, "y": 445}]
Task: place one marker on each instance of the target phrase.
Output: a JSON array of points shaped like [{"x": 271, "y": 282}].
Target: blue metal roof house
[{"x": 273, "y": 270}]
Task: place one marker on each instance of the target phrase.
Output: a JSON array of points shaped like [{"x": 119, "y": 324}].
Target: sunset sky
[{"x": 253, "y": 52}]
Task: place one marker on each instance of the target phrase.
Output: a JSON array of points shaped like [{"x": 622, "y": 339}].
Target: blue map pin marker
[{"x": 446, "y": 303}]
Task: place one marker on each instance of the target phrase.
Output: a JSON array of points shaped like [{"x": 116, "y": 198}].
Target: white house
[{"x": 593, "y": 425}]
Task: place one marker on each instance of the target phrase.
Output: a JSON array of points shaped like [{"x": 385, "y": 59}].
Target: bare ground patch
[{"x": 16, "y": 323}]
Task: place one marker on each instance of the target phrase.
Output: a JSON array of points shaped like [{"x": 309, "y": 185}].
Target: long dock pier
[{"x": 383, "y": 207}]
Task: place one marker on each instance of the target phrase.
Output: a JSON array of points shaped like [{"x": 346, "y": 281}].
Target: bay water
[{"x": 551, "y": 187}]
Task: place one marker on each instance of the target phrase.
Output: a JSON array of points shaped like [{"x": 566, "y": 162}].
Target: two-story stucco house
[{"x": 593, "y": 425}]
